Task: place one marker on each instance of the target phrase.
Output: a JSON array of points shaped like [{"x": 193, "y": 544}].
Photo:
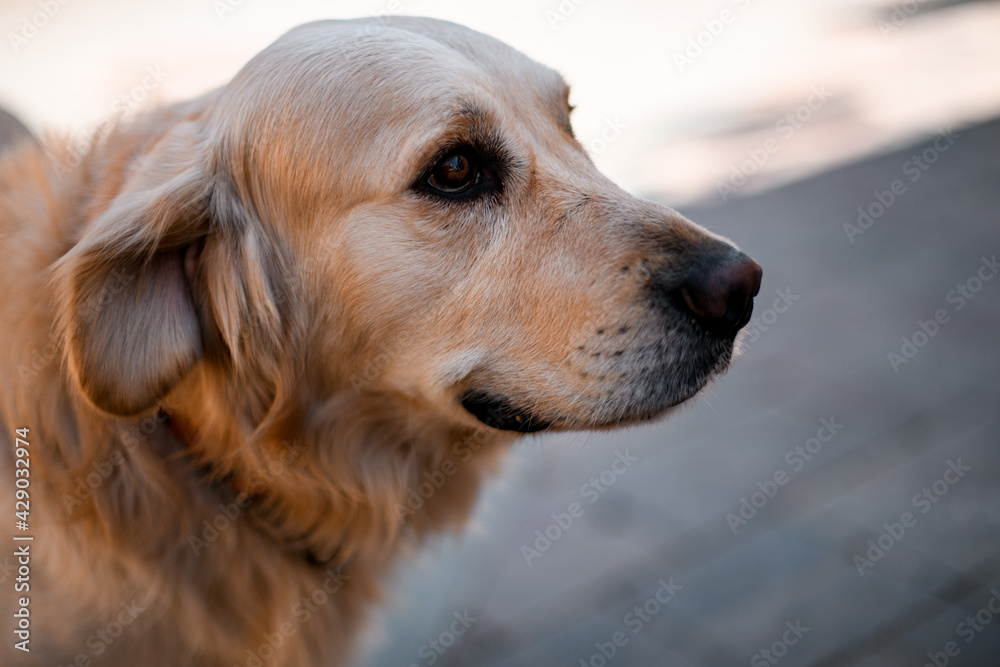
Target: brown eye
[{"x": 456, "y": 172}]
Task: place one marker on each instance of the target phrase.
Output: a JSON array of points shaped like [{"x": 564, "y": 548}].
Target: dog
[{"x": 240, "y": 331}]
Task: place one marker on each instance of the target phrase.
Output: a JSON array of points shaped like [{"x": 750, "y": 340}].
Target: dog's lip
[
  {"x": 500, "y": 413},
  {"x": 498, "y": 410},
  {"x": 642, "y": 415}
]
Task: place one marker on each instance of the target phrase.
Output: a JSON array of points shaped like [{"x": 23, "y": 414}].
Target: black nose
[{"x": 719, "y": 291}]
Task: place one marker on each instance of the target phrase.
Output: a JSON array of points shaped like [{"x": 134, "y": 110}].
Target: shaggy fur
[{"x": 242, "y": 330}]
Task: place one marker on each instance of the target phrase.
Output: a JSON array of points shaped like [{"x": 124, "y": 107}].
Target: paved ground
[{"x": 929, "y": 423}]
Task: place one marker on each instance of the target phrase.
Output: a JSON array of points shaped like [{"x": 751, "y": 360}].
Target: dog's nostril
[{"x": 720, "y": 293}]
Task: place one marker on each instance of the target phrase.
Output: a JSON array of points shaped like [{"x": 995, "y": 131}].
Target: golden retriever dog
[{"x": 258, "y": 345}]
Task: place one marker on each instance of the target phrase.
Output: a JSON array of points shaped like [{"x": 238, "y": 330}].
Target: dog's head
[{"x": 398, "y": 207}]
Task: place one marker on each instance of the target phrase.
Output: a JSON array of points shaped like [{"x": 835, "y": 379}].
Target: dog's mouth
[
  {"x": 639, "y": 395},
  {"x": 499, "y": 413}
]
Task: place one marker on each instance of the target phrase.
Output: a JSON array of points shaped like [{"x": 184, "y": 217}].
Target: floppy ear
[{"x": 128, "y": 318}]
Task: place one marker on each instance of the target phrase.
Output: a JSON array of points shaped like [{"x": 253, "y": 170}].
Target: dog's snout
[{"x": 719, "y": 292}]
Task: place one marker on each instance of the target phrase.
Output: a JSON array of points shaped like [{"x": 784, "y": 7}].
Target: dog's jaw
[{"x": 499, "y": 413}]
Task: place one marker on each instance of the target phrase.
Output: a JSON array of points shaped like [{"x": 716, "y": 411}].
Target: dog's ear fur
[
  {"x": 176, "y": 267},
  {"x": 129, "y": 321}
]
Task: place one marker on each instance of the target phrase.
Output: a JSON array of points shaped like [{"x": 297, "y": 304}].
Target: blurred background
[{"x": 835, "y": 500}]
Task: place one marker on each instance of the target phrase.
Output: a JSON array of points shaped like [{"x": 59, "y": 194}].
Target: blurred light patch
[{"x": 685, "y": 101}]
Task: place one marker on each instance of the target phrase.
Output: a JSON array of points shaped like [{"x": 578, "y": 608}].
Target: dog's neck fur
[{"x": 338, "y": 480}]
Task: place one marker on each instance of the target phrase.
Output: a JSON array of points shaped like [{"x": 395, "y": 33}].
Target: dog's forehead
[
  {"x": 406, "y": 33},
  {"x": 333, "y": 97},
  {"x": 416, "y": 56}
]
